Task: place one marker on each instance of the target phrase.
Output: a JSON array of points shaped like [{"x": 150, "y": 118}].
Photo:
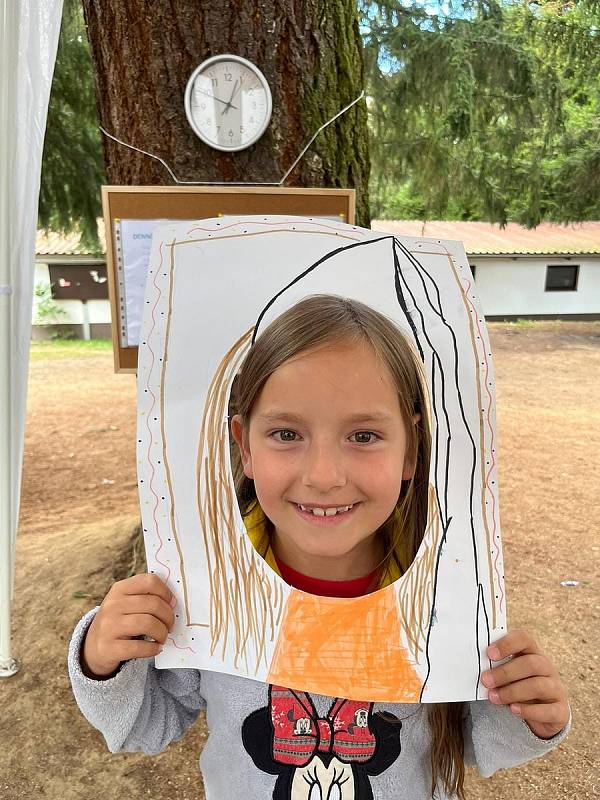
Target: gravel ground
[{"x": 78, "y": 526}]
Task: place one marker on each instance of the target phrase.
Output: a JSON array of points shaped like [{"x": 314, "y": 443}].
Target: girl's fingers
[
  {"x": 544, "y": 719},
  {"x": 126, "y": 649},
  {"x": 517, "y": 669},
  {"x": 142, "y": 625},
  {"x": 536, "y": 689},
  {"x": 149, "y": 604},
  {"x": 550, "y": 713},
  {"x": 144, "y": 583},
  {"x": 514, "y": 643},
  {"x": 527, "y": 683}
]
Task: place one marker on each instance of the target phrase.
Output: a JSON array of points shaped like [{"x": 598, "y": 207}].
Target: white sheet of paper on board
[
  {"x": 135, "y": 242},
  {"x": 209, "y": 283}
]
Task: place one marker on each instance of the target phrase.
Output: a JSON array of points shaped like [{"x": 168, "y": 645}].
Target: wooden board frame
[{"x": 202, "y": 202}]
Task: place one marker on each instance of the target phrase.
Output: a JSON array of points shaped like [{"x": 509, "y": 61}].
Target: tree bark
[{"x": 309, "y": 51}]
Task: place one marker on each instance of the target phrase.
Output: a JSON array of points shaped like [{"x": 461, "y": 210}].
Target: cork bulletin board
[{"x": 126, "y": 204}]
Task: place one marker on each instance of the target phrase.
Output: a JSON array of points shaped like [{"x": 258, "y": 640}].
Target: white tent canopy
[{"x": 28, "y": 40}]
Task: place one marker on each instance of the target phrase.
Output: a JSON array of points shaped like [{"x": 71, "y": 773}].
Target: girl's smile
[
  {"x": 326, "y": 449},
  {"x": 326, "y": 515}
]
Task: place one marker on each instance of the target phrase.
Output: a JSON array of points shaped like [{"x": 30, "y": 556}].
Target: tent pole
[{"x": 8, "y": 664}]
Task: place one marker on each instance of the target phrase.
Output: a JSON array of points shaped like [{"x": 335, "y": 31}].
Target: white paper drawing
[{"x": 213, "y": 285}]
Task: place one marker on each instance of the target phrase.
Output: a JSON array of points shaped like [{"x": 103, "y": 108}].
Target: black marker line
[
  {"x": 435, "y": 581},
  {"x": 481, "y": 603},
  {"x": 480, "y": 600},
  {"x": 411, "y": 258},
  {"x": 326, "y": 257},
  {"x": 402, "y": 301},
  {"x": 445, "y": 523},
  {"x": 435, "y": 357}
]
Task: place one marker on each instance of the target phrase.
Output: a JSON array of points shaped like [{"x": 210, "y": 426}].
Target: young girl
[{"x": 331, "y": 463}]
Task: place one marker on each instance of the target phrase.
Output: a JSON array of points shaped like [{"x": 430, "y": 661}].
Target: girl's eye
[
  {"x": 285, "y": 435},
  {"x": 365, "y": 437}
]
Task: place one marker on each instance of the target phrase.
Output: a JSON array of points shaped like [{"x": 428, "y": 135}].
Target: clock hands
[
  {"x": 229, "y": 104},
  {"x": 214, "y": 97}
]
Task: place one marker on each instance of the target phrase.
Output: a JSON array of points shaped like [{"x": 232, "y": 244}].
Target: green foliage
[
  {"x": 72, "y": 165},
  {"x": 487, "y": 110},
  {"x": 47, "y": 310},
  {"x": 397, "y": 202}
]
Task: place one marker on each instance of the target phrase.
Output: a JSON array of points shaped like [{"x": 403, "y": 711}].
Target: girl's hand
[
  {"x": 528, "y": 684},
  {"x": 133, "y": 608}
]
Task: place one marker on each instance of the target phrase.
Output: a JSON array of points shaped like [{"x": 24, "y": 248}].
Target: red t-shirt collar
[{"x": 324, "y": 588}]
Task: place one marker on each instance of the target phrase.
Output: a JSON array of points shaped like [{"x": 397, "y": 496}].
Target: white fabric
[{"x": 28, "y": 41}]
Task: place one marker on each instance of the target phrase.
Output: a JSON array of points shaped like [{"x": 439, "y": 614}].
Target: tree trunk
[{"x": 309, "y": 51}]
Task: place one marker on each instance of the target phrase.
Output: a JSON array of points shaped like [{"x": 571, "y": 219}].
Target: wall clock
[{"x": 228, "y": 102}]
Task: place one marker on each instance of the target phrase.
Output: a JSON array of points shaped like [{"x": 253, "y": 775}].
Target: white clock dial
[{"x": 228, "y": 102}]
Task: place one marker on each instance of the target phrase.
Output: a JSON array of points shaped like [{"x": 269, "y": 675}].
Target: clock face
[{"x": 228, "y": 102}]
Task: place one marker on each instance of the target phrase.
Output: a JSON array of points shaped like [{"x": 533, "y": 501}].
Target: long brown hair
[{"x": 322, "y": 320}]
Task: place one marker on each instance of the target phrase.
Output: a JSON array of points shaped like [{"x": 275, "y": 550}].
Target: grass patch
[
  {"x": 523, "y": 323},
  {"x": 68, "y": 348}
]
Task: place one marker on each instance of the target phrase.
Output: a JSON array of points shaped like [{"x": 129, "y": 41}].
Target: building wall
[
  {"x": 98, "y": 310},
  {"x": 509, "y": 286}
]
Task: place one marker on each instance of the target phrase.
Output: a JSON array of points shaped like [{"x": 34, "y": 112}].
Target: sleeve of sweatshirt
[
  {"x": 496, "y": 739},
  {"x": 141, "y": 708}
]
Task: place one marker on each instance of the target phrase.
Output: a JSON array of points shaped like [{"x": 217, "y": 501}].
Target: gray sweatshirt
[{"x": 270, "y": 742}]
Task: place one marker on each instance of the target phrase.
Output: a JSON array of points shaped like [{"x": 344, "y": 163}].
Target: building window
[{"x": 562, "y": 278}]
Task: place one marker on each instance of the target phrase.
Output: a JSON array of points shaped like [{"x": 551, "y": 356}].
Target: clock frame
[{"x": 211, "y": 94}]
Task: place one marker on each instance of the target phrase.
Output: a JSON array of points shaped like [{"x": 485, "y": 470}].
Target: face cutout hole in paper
[{"x": 325, "y": 412}]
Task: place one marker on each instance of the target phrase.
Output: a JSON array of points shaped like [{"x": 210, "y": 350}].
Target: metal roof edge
[
  {"x": 73, "y": 259},
  {"x": 561, "y": 254}
]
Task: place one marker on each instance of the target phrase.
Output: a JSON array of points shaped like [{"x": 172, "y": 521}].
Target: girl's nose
[{"x": 323, "y": 469}]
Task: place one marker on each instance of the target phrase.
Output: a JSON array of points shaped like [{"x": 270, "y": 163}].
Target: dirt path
[
  {"x": 79, "y": 461},
  {"x": 79, "y": 512}
]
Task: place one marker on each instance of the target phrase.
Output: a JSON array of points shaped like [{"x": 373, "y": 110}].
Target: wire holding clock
[{"x": 280, "y": 182}]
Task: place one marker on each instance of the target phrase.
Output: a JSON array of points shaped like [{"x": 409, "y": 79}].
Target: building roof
[
  {"x": 480, "y": 238},
  {"x": 61, "y": 244},
  {"x": 483, "y": 238}
]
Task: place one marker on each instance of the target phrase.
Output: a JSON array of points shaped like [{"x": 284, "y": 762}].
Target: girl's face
[{"x": 326, "y": 433}]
